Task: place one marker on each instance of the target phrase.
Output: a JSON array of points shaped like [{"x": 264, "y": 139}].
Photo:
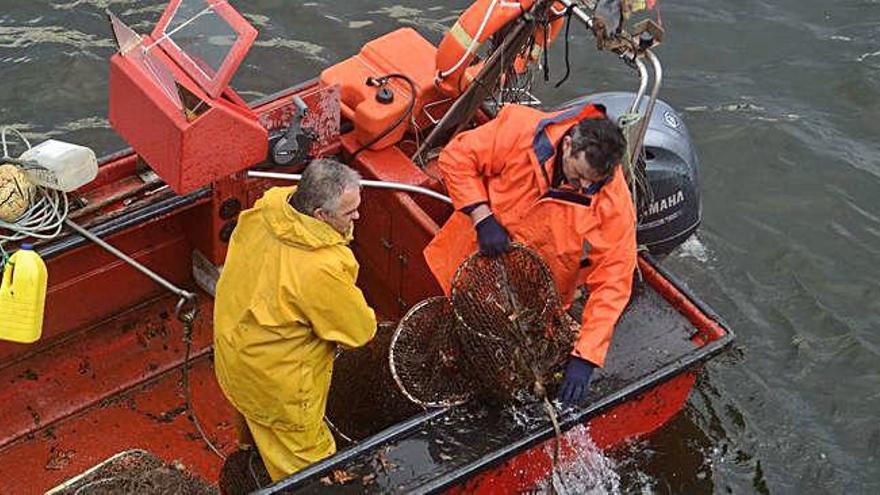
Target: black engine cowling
[{"x": 672, "y": 211}]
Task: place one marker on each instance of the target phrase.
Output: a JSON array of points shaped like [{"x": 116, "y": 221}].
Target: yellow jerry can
[{"x": 23, "y": 296}]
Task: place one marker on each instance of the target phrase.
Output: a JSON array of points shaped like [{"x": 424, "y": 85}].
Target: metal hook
[{"x": 189, "y": 316}]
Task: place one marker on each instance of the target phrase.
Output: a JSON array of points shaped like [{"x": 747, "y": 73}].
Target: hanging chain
[{"x": 187, "y": 312}]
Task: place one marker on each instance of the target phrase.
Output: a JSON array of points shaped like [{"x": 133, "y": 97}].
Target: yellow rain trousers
[{"x": 285, "y": 299}]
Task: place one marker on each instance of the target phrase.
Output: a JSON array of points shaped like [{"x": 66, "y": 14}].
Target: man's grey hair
[{"x": 321, "y": 186}]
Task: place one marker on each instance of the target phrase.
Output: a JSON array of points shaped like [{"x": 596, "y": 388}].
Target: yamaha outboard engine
[{"x": 672, "y": 211}]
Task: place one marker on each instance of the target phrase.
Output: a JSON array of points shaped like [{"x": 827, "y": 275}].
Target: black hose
[
  {"x": 568, "y": 13},
  {"x": 546, "y": 51},
  {"x": 188, "y": 320},
  {"x": 381, "y": 81}
]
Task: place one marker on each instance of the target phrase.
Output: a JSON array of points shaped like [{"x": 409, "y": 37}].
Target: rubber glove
[
  {"x": 492, "y": 237},
  {"x": 576, "y": 383}
]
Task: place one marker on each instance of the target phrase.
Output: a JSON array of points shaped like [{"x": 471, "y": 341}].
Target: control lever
[{"x": 293, "y": 146}]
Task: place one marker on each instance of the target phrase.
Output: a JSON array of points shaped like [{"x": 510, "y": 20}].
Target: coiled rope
[{"x": 45, "y": 217}]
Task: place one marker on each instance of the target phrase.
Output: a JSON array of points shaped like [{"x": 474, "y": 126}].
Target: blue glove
[
  {"x": 576, "y": 383},
  {"x": 492, "y": 237}
]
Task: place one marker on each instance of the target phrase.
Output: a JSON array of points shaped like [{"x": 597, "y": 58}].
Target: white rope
[
  {"x": 44, "y": 219},
  {"x": 20, "y": 136},
  {"x": 475, "y": 42}
]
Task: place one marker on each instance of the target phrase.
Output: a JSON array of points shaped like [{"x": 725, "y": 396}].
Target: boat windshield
[
  {"x": 202, "y": 35},
  {"x": 131, "y": 46},
  {"x": 208, "y": 39}
]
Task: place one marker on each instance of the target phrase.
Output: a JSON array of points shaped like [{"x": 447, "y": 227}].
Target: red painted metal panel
[
  {"x": 410, "y": 234},
  {"x": 222, "y": 140},
  {"x": 150, "y": 417},
  {"x": 218, "y": 143},
  {"x": 88, "y": 284},
  {"x": 373, "y": 231},
  {"x": 98, "y": 363},
  {"x": 322, "y": 119},
  {"x": 644, "y": 414},
  {"x": 110, "y": 171},
  {"x": 142, "y": 114},
  {"x": 210, "y": 225},
  {"x": 394, "y": 232}
]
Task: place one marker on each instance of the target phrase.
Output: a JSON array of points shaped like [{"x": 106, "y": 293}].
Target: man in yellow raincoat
[{"x": 285, "y": 301}]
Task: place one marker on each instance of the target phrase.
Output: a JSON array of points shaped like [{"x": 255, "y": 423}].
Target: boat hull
[{"x": 105, "y": 377}]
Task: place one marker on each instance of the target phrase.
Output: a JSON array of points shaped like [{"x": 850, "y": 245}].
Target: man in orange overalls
[{"x": 552, "y": 181}]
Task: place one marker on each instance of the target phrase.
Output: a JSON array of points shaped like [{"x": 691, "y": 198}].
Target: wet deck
[
  {"x": 116, "y": 386},
  {"x": 430, "y": 454},
  {"x": 82, "y": 400}
]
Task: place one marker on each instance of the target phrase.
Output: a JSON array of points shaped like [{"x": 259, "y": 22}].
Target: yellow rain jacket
[{"x": 285, "y": 299}]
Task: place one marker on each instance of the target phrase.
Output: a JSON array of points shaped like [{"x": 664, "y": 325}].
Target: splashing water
[
  {"x": 694, "y": 248},
  {"x": 582, "y": 468}
]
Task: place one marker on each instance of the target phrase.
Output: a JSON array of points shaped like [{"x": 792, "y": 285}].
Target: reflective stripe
[{"x": 461, "y": 35}]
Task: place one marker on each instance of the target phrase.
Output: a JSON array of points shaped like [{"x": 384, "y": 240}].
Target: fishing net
[
  {"x": 425, "y": 358},
  {"x": 136, "y": 471},
  {"x": 502, "y": 336},
  {"x": 513, "y": 326}
]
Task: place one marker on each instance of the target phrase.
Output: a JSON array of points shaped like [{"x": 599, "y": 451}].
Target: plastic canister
[
  {"x": 65, "y": 166},
  {"x": 23, "y": 296}
]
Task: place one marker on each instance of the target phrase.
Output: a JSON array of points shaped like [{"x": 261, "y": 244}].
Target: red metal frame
[
  {"x": 215, "y": 85},
  {"x": 187, "y": 154}
]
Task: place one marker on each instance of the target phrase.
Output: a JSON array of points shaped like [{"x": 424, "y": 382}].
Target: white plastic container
[{"x": 66, "y": 166}]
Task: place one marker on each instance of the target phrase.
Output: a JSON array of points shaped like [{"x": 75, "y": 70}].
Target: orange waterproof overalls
[{"x": 585, "y": 239}]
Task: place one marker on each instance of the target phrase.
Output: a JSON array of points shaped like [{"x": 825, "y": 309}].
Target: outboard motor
[{"x": 672, "y": 211}]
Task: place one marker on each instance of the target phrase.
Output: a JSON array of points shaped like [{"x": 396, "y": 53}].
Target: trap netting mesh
[
  {"x": 425, "y": 358},
  {"x": 504, "y": 332},
  {"x": 135, "y": 471}
]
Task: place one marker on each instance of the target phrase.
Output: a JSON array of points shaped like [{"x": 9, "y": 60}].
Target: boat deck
[
  {"x": 438, "y": 450},
  {"x": 84, "y": 399},
  {"x": 117, "y": 386}
]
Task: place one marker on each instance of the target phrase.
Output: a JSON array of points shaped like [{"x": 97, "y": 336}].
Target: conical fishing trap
[
  {"x": 425, "y": 358},
  {"x": 502, "y": 336}
]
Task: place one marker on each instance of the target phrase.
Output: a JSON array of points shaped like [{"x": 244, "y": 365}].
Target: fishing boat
[{"x": 124, "y": 365}]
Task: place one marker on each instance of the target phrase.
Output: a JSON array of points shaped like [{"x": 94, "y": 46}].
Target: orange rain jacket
[{"x": 585, "y": 239}]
